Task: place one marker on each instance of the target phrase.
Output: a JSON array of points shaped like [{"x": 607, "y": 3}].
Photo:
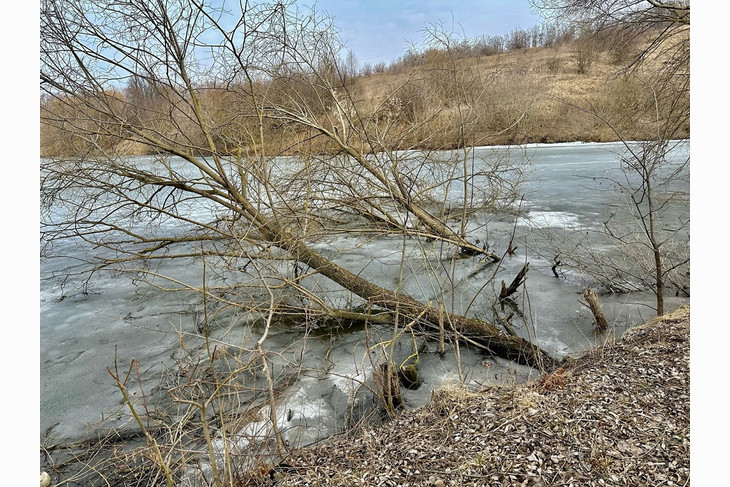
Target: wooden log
[
  {"x": 592, "y": 299},
  {"x": 516, "y": 283},
  {"x": 389, "y": 386},
  {"x": 470, "y": 330}
]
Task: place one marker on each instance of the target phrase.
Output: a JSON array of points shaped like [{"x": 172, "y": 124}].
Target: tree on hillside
[
  {"x": 220, "y": 92},
  {"x": 656, "y": 247},
  {"x": 662, "y": 26}
]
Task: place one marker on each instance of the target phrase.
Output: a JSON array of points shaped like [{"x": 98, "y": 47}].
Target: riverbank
[{"x": 618, "y": 415}]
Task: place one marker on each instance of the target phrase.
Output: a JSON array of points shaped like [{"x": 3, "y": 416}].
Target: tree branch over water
[{"x": 208, "y": 104}]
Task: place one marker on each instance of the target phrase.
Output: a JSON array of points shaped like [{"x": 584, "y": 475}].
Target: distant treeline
[{"x": 543, "y": 35}]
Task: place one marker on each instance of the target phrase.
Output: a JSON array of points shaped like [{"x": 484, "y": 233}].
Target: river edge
[
  {"x": 533, "y": 283},
  {"x": 616, "y": 415}
]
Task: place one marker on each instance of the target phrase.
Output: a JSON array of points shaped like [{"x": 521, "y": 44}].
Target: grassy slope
[
  {"x": 526, "y": 96},
  {"x": 546, "y": 84}
]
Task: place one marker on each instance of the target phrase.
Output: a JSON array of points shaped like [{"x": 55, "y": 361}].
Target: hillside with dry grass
[
  {"x": 548, "y": 94},
  {"x": 439, "y": 98}
]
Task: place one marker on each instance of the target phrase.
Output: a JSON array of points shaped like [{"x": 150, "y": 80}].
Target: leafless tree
[
  {"x": 652, "y": 239},
  {"x": 213, "y": 94},
  {"x": 661, "y": 25},
  {"x": 655, "y": 250}
]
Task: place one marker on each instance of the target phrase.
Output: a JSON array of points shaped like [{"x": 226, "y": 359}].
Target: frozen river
[{"x": 84, "y": 326}]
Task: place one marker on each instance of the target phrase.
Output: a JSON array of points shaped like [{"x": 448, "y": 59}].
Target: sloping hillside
[
  {"x": 544, "y": 94},
  {"x": 574, "y": 91}
]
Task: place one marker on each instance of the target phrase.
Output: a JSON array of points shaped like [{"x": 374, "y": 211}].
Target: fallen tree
[{"x": 113, "y": 76}]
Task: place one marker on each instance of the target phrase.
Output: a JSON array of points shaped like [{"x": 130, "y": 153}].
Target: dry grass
[
  {"x": 549, "y": 79},
  {"x": 523, "y": 96},
  {"x": 617, "y": 416}
]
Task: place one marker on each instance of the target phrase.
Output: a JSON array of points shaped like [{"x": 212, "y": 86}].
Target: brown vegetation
[
  {"x": 529, "y": 95},
  {"x": 228, "y": 127},
  {"x": 619, "y": 415}
]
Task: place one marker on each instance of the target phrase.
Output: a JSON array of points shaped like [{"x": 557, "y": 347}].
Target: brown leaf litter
[{"x": 617, "y": 416}]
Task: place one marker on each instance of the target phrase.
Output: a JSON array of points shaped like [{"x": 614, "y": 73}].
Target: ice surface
[{"x": 88, "y": 327}]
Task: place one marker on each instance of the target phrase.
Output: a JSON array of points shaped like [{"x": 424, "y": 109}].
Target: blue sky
[{"x": 379, "y": 30}]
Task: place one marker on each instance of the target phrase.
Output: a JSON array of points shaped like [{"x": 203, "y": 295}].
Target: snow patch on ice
[{"x": 553, "y": 219}]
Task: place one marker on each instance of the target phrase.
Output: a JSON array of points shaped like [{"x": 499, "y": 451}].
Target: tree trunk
[
  {"x": 595, "y": 307},
  {"x": 659, "y": 282},
  {"x": 470, "y": 330},
  {"x": 388, "y": 381}
]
